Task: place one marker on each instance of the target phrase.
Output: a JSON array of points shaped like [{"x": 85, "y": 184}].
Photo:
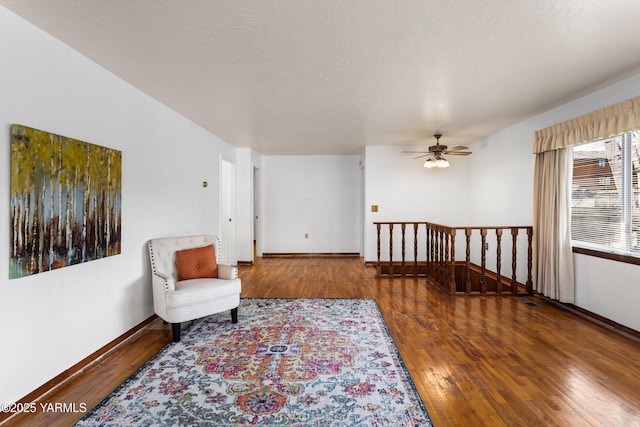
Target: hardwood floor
[{"x": 476, "y": 361}]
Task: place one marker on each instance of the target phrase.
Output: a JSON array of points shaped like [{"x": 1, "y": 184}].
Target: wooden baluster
[
  {"x": 514, "y": 258},
  {"x": 429, "y": 249},
  {"x": 452, "y": 273},
  {"x": 434, "y": 248},
  {"x": 483, "y": 257},
  {"x": 498, "y": 260},
  {"x": 440, "y": 254},
  {"x": 445, "y": 249},
  {"x": 434, "y": 242},
  {"x": 391, "y": 249},
  {"x": 415, "y": 249},
  {"x": 378, "y": 271},
  {"x": 529, "y": 259},
  {"x": 445, "y": 260},
  {"x": 403, "y": 227},
  {"x": 467, "y": 282},
  {"x": 434, "y": 255}
]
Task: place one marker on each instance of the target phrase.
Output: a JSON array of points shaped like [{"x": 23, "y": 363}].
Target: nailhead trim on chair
[{"x": 153, "y": 264}]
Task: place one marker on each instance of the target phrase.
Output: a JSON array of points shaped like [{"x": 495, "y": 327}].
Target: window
[{"x": 605, "y": 205}]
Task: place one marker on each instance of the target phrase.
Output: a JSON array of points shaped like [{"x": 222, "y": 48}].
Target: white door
[{"x": 227, "y": 212}]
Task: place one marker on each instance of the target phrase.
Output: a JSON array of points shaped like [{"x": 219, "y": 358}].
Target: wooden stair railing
[{"x": 458, "y": 276}]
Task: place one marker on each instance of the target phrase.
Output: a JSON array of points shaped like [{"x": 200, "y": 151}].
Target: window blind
[{"x": 605, "y": 208}]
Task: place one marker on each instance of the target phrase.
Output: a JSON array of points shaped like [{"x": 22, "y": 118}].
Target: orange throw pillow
[{"x": 196, "y": 263}]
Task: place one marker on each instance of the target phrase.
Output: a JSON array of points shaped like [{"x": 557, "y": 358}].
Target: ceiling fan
[{"x": 435, "y": 156}]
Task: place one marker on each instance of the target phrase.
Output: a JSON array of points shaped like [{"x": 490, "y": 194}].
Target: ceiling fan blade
[
  {"x": 424, "y": 155},
  {"x": 459, "y": 147},
  {"x": 458, "y": 153},
  {"x": 420, "y": 152}
]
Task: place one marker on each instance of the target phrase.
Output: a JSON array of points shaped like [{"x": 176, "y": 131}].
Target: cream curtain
[
  {"x": 553, "y": 267},
  {"x": 608, "y": 121},
  {"x": 553, "y": 257}
]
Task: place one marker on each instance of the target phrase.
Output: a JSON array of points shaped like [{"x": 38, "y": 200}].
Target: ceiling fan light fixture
[
  {"x": 441, "y": 162},
  {"x": 435, "y": 158}
]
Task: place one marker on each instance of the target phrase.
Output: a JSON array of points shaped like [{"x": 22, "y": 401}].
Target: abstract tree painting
[{"x": 65, "y": 201}]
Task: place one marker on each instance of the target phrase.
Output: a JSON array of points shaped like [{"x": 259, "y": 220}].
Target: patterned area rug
[{"x": 306, "y": 362}]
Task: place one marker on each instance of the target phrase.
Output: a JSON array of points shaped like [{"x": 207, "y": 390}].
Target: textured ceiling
[{"x": 331, "y": 76}]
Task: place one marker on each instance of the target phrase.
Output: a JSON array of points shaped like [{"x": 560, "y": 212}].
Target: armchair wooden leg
[
  {"x": 234, "y": 315},
  {"x": 175, "y": 329}
]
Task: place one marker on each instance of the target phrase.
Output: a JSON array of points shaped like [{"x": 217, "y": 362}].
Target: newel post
[
  {"x": 378, "y": 271},
  {"x": 415, "y": 249},
  {"x": 467, "y": 281},
  {"x": 403, "y": 227},
  {"x": 529, "y": 259},
  {"x": 391, "y": 249}
]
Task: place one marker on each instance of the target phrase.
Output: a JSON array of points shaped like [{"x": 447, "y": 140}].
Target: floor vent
[{"x": 527, "y": 302}]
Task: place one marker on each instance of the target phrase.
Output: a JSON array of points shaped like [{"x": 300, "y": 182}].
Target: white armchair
[{"x": 178, "y": 299}]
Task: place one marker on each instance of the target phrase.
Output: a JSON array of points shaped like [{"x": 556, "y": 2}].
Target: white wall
[
  {"x": 608, "y": 288},
  {"x": 53, "y": 320},
  {"x": 317, "y": 195},
  {"x": 501, "y": 191},
  {"x": 404, "y": 190}
]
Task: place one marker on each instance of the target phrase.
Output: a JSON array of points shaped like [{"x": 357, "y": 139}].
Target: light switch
[{"x": 374, "y": 208}]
